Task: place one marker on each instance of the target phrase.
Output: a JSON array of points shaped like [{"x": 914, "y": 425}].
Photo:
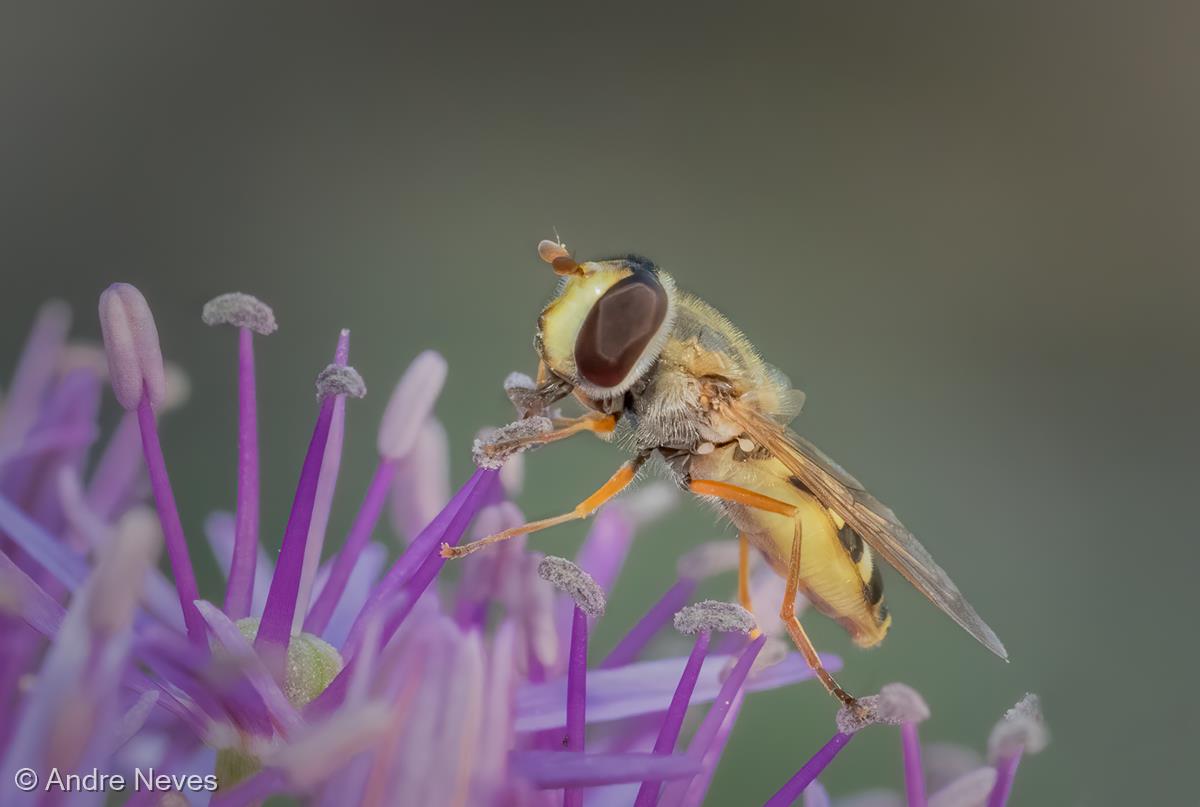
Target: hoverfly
[{"x": 681, "y": 381}]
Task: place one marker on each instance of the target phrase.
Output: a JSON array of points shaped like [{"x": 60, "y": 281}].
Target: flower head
[{"x": 356, "y": 679}]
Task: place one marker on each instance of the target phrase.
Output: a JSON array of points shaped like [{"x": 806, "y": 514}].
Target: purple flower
[{"x": 339, "y": 675}]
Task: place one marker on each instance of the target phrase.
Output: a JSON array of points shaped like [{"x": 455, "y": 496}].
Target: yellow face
[{"x": 607, "y": 325}]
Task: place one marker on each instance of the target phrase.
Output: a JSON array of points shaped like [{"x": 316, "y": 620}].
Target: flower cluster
[{"x": 339, "y": 676}]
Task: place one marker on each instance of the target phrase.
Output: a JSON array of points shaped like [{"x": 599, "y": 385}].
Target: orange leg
[
  {"x": 563, "y": 428},
  {"x": 744, "y": 579},
  {"x": 787, "y": 612},
  {"x": 616, "y": 483}
]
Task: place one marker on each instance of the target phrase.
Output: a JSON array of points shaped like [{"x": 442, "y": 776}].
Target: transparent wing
[{"x": 870, "y": 518}]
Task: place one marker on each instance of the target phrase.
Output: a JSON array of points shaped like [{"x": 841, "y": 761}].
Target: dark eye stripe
[{"x": 619, "y": 327}]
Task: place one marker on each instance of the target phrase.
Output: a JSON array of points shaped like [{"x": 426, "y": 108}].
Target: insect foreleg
[
  {"x": 563, "y": 428},
  {"x": 616, "y": 483}
]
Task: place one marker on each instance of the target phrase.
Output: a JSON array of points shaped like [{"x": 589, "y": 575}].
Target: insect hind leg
[
  {"x": 744, "y": 599},
  {"x": 787, "y": 611}
]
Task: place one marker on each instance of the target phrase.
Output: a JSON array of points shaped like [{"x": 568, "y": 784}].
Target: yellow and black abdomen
[{"x": 838, "y": 573}]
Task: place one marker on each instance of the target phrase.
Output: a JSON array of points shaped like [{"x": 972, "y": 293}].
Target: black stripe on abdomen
[
  {"x": 874, "y": 587},
  {"x": 852, "y": 542}
]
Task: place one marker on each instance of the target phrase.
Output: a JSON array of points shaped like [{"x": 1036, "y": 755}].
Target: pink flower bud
[
  {"x": 411, "y": 404},
  {"x": 135, "y": 363}
]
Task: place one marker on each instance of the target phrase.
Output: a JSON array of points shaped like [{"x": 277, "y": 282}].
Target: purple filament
[
  {"x": 725, "y": 695},
  {"x": 708, "y": 738},
  {"x": 445, "y": 527},
  {"x": 168, "y": 514},
  {"x": 576, "y": 696},
  {"x": 245, "y": 546},
  {"x": 914, "y": 776},
  {"x": 668, "y": 734},
  {"x": 631, "y": 645},
  {"x": 274, "y": 632},
  {"x": 1006, "y": 772},
  {"x": 449, "y": 527},
  {"x": 810, "y": 771},
  {"x": 356, "y": 541}
]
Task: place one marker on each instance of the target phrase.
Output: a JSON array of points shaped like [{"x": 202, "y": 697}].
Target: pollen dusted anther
[
  {"x": 575, "y": 583},
  {"x": 492, "y": 451}
]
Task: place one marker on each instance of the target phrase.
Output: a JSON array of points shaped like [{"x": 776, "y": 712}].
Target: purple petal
[
  {"x": 530, "y": 600},
  {"x": 70, "y": 717},
  {"x": 872, "y": 798},
  {"x": 35, "y": 371},
  {"x": 415, "y": 588},
  {"x": 815, "y": 795},
  {"x": 489, "y": 577},
  {"x": 252, "y": 791},
  {"x": 448, "y": 526},
  {"x": 495, "y": 734},
  {"x": 971, "y": 788},
  {"x": 558, "y": 769},
  {"x": 49, "y": 553},
  {"x": 411, "y": 404},
  {"x": 159, "y": 592},
  {"x": 348, "y": 556},
  {"x": 366, "y": 571},
  {"x": 283, "y": 714},
  {"x": 22, "y": 597},
  {"x": 135, "y": 718},
  {"x": 646, "y": 687},
  {"x": 945, "y": 762},
  {"x": 118, "y": 470},
  {"x": 422, "y": 485},
  {"x": 460, "y": 720},
  {"x": 418, "y": 759}
]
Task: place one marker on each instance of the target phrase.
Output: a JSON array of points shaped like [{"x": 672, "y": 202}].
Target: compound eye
[{"x": 619, "y": 327}]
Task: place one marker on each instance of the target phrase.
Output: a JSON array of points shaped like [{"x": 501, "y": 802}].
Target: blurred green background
[{"x": 966, "y": 230}]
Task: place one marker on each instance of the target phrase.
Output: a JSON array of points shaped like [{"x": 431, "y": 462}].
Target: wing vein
[{"x": 875, "y": 522}]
